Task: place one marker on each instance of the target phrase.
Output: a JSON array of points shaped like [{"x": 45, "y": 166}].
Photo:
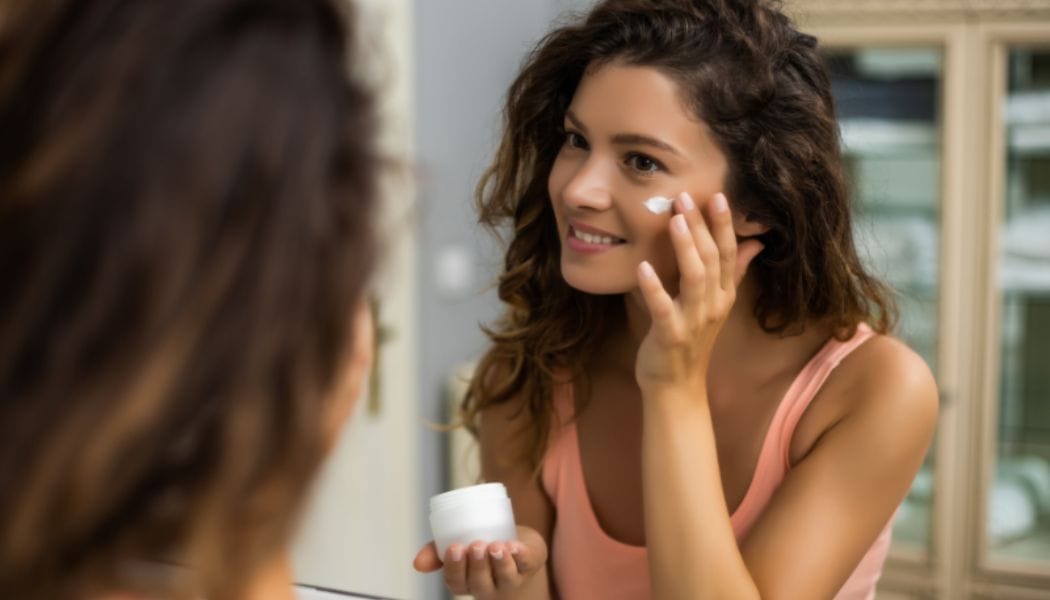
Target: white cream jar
[{"x": 479, "y": 512}]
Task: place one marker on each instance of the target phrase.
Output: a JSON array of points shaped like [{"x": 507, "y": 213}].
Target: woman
[
  {"x": 703, "y": 405},
  {"x": 186, "y": 199}
]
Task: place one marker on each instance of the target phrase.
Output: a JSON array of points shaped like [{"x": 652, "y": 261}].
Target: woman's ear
[{"x": 746, "y": 227}]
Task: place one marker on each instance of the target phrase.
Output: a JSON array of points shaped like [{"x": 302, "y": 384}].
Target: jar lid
[{"x": 484, "y": 492}]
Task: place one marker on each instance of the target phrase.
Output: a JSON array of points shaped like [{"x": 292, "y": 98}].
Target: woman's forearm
[{"x": 692, "y": 549}]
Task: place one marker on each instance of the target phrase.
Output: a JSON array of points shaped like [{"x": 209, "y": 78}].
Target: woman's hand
[
  {"x": 677, "y": 349},
  {"x": 488, "y": 571}
]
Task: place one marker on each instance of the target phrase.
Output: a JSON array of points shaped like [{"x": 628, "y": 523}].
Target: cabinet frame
[
  {"x": 974, "y": 39},
  {"x": 994, "y": 41}
]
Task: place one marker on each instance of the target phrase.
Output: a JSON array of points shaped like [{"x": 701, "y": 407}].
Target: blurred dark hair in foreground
[{"x": 186, "y": 200}]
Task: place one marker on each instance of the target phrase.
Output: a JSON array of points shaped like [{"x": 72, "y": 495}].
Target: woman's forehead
[{"x": 615, "y": 98}]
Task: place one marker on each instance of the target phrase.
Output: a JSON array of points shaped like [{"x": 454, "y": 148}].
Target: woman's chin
[{"x": 597, "y": 284}]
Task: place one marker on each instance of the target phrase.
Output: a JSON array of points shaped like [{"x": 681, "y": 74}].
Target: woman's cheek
[{"x": 660, "y": 254}]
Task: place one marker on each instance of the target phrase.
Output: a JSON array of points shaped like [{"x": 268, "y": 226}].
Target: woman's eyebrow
[
  {"x": 637, "y": 138},
  {"x": 627, "y": 138},
  {"x": 575, "y": 120}
]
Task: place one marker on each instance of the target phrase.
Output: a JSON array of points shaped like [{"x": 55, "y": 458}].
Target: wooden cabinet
[{"x": 945, "y": 114}]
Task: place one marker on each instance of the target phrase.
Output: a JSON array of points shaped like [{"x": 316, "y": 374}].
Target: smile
[{"x": 591, "y": 242}]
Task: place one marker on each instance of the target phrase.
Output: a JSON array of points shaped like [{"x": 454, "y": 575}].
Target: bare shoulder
[
  {"x": 888, "y": 383},
  {"x": 886, "y": 366},
  {"x": 882, "y": 388},
  {"x": 874, "y": 419}
]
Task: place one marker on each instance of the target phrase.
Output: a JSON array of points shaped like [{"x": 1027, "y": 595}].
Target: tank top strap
[
  {"x": 553, "y": 470},
  {"x": 809, "y": 381}
]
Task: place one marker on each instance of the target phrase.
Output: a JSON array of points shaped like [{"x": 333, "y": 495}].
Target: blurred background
[{"x": 945, "y": 114}]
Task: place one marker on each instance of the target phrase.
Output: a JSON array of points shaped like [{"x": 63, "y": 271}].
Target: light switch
[{"x": 454, "y": 271}]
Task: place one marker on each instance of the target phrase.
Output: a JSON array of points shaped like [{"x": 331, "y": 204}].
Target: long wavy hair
[
  {"x": 186, "y": 200},
  {"x": 762, "y": 88}
]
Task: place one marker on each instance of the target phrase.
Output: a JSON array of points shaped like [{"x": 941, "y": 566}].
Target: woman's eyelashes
[
  {"x": 575, "y": 140},
  {"x": 642, "y": 164},
  {"x": 637, "y": 162}
]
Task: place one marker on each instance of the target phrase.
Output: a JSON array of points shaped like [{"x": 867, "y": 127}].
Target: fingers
[
  {"x": 483, "y": 569},
  {"x": 486, "y": 568},
  {"x": 427, "y": 559},
  {"x": 721, "y": 227},
  {"x": 692, "y": 270},
  {"x": 529, "y": 551},
  {"x": 504, "y": 569},
  {"x": 479, "y": 572},
  {"x": 455, "y": 571},
  {"x": 702, "y": 238},
  {"x": 658, "y": 301}
]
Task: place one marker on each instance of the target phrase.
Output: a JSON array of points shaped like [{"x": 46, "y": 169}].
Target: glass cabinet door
[
  {"x": 1017, "y": 518},
  {"x": 888, "y": 102}
]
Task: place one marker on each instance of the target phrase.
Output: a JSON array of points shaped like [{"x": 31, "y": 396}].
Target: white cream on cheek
[{"x": 658, "y": 204}]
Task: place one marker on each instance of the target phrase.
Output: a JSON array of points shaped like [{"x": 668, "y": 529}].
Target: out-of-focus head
[{"x": 186, "y": 235}]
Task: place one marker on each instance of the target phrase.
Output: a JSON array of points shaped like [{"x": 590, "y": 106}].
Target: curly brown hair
[
  {"x": 762, "y": 88},
  {"x": 186, "y": 200}
]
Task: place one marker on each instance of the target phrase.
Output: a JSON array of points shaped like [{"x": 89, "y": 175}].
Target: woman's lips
[{"x": 588, "y": 240}]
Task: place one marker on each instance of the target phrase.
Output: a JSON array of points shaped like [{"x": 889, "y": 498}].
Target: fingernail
[
  {"x": 721, "y": 204},
  {"x": 479, "y": 552},
  {"x": 497, "y": 554},
  {"x": 515, "y": 549},
  {"x": 687, "y": 201},
  {"x": 456, "y": 553},
  {"x": 647, "y": 272},
  {"x": 680, "y": 224}
]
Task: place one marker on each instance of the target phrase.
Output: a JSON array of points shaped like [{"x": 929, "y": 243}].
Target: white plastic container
[{"x": 479, "y": 512}]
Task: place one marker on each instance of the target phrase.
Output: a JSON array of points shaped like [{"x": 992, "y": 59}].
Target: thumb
[
  {"x": 746, "y": 251},
  {"x": 529, "y": 550},
  {"x": 427, "y": 560}
]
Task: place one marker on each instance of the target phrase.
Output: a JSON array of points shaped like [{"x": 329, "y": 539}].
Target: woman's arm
[
  {"x": 823, "y": 518},
  {"x": 836, "y": 500},
  {"x": 830, "y": 508},
  {"x": 692, "y": 551}
]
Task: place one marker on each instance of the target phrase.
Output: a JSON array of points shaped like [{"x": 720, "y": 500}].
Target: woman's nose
[{"x": 589, "y": 188}]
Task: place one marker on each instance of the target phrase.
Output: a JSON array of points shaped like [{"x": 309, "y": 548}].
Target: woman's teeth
[{"x": 594, "y": 239}]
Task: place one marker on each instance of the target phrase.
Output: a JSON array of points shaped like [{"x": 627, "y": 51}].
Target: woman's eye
[
  {"x": 575, "y": 140},
  {"x": 642, "y": 163}
]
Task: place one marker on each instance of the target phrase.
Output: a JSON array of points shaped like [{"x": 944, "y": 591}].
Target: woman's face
[{"x": 629, "y": 137}]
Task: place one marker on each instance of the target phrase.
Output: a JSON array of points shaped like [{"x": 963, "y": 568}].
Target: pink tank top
[{"x": 588, "y": 563}]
